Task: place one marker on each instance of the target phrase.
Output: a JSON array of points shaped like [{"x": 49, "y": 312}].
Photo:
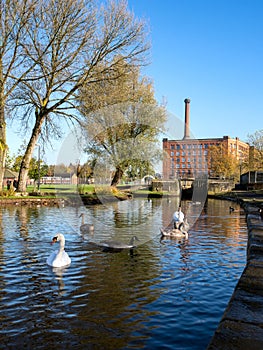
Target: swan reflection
[{"x": 59, "y": 272}]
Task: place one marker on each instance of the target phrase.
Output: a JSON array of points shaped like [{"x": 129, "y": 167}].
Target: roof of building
[{"x": 9, "y": 174}]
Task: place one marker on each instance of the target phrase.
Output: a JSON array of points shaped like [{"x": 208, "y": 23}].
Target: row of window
[
  {"x": 193, "y": 153},
  {"x": 189, "y": 160},
  {"x": 192, "y": 146},
  {"x": 177, "y": 166}
]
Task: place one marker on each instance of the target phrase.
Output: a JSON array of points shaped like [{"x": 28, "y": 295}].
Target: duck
[
  {"x": 118, "y": 245},
  {"x": 231, "y": 209},
  {"x": 85, "y": 227},
  {"x": 180, "y": 232},
  {"x": 59, "y": 258}
]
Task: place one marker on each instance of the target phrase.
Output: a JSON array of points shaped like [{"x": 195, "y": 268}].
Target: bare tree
[
  {"x": 15, "y": 16},
  {"x": 68, "y": 41}
]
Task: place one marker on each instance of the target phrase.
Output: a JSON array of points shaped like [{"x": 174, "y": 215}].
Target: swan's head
[
  {"x": 81, "y": 215},
  {"x": 57, "y": 238}
]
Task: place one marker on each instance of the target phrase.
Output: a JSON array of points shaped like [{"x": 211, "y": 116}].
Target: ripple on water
[{"x": 167, "y": 294}]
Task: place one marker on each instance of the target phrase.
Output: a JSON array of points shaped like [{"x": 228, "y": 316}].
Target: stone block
[
  {"x": 232, "y": 335},
  {"x": 246, "y": 307},
  {"x": 252, "y": 278}
]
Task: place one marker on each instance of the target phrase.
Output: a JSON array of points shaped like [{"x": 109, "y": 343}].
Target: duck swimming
[{"x": 59, "y": 258}]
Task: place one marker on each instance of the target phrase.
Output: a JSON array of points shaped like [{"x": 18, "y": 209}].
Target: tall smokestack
[{"x": 187, "y": 119}]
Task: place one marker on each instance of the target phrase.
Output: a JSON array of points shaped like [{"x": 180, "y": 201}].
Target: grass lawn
[{"x": 50, "y": 191}]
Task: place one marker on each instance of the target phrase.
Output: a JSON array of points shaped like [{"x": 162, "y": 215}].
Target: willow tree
[
  {"x": 15, "y": 17},
  {"x": 123, "y": 130},
  {"x": 69, "y": 41}
]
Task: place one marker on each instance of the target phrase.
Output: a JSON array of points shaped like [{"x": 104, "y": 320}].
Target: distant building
[
  {"x": 190, "y": 157},
  {"x": 9, "y": 175},
  {"x": 59, "y": 180},
  {"x": 252, "y": 180}
]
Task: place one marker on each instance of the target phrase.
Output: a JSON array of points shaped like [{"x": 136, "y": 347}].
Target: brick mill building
[{"x": 190, "y": 157}]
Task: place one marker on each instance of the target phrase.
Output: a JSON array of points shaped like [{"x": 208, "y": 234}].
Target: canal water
[{"x": 166, "y": 294}]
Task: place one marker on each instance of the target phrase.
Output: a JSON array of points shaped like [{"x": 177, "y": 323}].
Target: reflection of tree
[
  {"x": 22, "y": 221},
  {"x": 1, "y": 238},
  {"x": 123, "y": 219},
  {"x": 118, "y": 282},
  {"x": 132, "y": 212}
]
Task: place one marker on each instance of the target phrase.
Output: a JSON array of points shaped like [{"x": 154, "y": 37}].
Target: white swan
[
  {"x": 85, "y": 227},
  {"x": 59, "y": 258}
]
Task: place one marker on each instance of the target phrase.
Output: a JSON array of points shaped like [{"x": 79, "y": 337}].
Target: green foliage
[
  {"x": 137, "y": 169},
  {"x": 37, "y": 170},
  {"x": 36, "y": 167}
]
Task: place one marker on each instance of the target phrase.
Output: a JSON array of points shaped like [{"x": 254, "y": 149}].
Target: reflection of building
[{"x": 190, "y": 157}]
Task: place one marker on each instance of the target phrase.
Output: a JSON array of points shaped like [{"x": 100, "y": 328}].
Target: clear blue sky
[{"x": 210, "y": 51}]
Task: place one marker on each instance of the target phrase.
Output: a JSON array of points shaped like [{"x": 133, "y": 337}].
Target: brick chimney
[{"x": 187, "y": 119}]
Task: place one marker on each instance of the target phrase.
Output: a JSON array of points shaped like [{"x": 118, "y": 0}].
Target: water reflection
[
  {"x": 170, "y": 293},
  {"x": 58, "y": 273}
]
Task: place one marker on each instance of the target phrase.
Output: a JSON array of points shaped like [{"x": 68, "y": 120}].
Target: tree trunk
[
  {"x": 117, "y": 177},
  {"x": 3, "y": 145},
  {"x": 24, "y": 168}
]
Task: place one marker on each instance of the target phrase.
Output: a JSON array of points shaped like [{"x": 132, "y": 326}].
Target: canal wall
[{"x": 241, "y": 327}]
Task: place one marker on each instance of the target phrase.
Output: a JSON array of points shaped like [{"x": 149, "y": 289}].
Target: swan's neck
[
  {"x": 82, "y": 219},
  {"x": 61, "y": 244}
]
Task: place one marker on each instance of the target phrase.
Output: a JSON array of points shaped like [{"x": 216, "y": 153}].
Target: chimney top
[{"x": 187, "y": 119}]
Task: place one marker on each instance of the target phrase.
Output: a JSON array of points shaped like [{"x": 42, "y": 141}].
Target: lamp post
[{"x": 38, "y": 182}]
